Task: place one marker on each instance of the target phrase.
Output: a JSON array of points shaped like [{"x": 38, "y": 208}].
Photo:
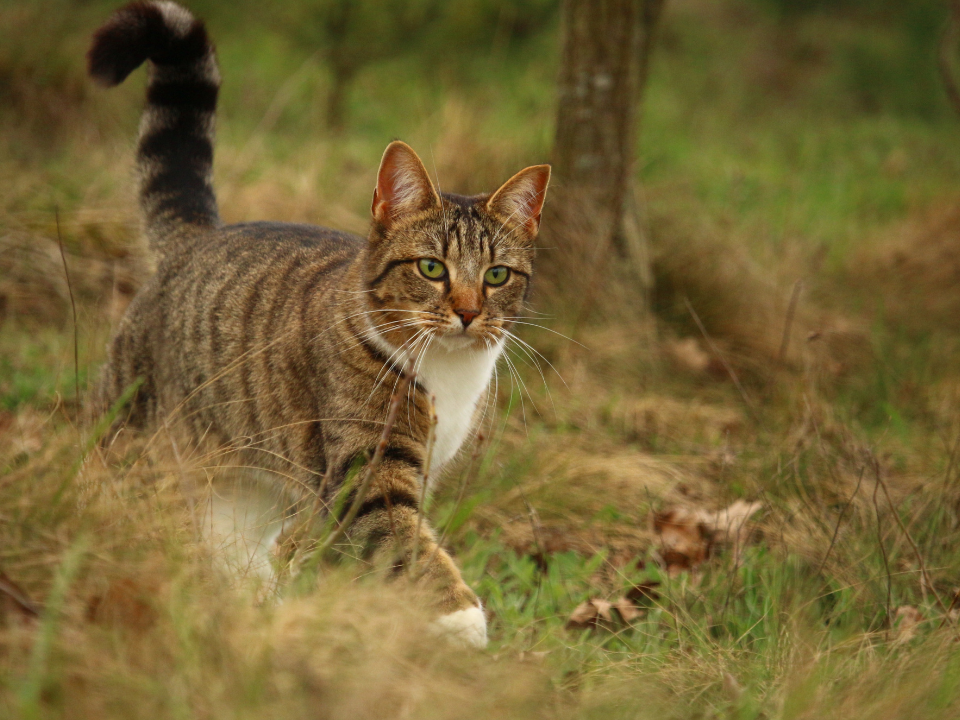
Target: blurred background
[{"x": 772, "y": 314}]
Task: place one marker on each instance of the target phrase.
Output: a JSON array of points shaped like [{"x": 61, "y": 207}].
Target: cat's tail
[{"x": 175, "y": 153}]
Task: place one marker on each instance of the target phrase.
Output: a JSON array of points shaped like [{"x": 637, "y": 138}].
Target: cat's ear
[
  {"x": 520, "y": 199},
  {"x": 403, "y": 185}
]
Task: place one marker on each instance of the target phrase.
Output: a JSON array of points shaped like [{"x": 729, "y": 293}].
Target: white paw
[{"x": 463, "y": 627}]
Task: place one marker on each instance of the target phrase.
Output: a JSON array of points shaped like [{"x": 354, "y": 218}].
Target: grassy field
[{"x": 801, "y": 172}]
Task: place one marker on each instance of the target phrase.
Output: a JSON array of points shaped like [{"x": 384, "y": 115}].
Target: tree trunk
[
  {"x": 594, "y": 216},
  {"x": 337, "y": 97}
]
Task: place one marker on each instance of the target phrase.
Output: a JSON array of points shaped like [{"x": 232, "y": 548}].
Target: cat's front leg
[{"x": 390, "y": 537}]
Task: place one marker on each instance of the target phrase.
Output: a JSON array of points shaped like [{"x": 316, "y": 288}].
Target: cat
[{"x": 287, "y": 340}]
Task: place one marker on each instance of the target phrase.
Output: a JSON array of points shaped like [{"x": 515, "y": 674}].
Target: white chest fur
[{"x": 456, "y": 379}]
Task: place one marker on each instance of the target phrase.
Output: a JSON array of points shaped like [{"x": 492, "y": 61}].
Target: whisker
[
  {"x": 382, "y": 375},
  {"x": 416, "y": 368},
  {"x": 522, "y": 388},
  {"x": 552, "y": 331},
  {"x": 527, "y": 345}
]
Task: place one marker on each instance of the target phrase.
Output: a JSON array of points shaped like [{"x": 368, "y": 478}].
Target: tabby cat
[{"x": 288, "y": 340}]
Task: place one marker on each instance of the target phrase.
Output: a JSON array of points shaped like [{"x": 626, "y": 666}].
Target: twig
[
  {"x": 431, "y": 438},
  {"x": 883, "y": 552},
  {"x": 398, "y": 393},
  {"x": 73, "y": 307},
  {"x": 716, "y": 351},
  {"x": 947, "y": 45},
  {"x": 836, "y": 532},
  {"x": 788, "y": 321},
  {"x": 925, "y": 576}
]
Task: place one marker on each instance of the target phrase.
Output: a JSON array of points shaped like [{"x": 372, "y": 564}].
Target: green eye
[
  {"x": 432, "y": 269},
  {"x": 496, "y": 275}
]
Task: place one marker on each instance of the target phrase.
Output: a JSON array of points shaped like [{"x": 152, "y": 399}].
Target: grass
[{"x": 805, "y": 146}]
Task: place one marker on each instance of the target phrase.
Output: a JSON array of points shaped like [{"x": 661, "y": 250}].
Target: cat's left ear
[
  {"x": 403, "y": 185},
  {"x": 520, "y": 199}
]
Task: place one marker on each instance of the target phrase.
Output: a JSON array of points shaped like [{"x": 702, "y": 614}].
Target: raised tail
[{"x": 175, "y": 152}]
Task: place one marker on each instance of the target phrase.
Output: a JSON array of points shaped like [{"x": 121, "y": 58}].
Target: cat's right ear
[{"x": 403, "y": 185}]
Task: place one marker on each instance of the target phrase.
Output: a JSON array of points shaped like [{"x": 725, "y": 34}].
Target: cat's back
[
  {"x": 244, "y": 295},
  {"x": 253, "y": 245},
  {"x": 255, "y": 256}
]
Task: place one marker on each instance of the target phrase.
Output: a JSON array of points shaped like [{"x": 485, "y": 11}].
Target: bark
[
  {"x": 948, "y": 49},
  {"x": 594, "y": 211},
  {"x": 342, "y": 79}
]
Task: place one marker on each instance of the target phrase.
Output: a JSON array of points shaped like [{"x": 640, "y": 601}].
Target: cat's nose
[{"x": 466, "y": 316}]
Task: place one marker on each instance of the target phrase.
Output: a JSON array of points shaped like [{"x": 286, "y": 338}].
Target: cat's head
[{"x": 452, "y": 267}]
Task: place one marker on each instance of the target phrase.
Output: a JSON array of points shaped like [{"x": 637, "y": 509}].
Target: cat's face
[{"x": 451, "y": 268}]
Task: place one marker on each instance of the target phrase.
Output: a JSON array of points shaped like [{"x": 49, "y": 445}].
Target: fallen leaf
[
  {"x": 730, "y": 525},
  {"x": 905, "y": 622},
  {"x": 687, "y": 535},
  {"x": 628, "y": 611},
  {"x": 684, "y": 541},
  {"x": 590, "y": 614},
  {"x": 644, "y": 593},
  {"x": 596, "y": 613}
]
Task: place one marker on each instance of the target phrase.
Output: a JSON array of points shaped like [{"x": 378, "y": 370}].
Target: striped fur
[
  {"x": 284, "y": 342},
  {"x": 175, "y": 153}
]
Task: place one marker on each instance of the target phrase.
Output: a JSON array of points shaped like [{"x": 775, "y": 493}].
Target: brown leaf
[
  {"x": 644, "y": 593},
  {"x": 687, "y": 536},
  {"x": 596, "y": 613},
  {"x": 728, "y": 525},
  {"x": 628, "y": 611},
  {"x": 684, "y": 541},
  {"x": 591, "y": 613}
]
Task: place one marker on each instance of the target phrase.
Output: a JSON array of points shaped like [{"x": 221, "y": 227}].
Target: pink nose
[{"x": 466, "y": 316}]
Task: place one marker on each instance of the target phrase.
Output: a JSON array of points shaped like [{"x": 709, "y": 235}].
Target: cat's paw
[{"x": 467, "y": 628}]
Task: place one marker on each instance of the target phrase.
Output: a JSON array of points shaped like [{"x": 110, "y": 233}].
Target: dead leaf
[
  {"x": 628, "y": 611},
  {"x": 687, "y": 535},
  {"x": 590, "y": 614},
  {"x": 684, "y": 541},
  {"x": 905, "y": 622},
  {"x": 730, "y": 525},
  {"x": 596, "y": 613},
  {"x": 644, "y": 593}
]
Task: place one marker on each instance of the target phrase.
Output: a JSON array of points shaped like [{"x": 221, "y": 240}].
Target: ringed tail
[{"x": 175, "y": 150}]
